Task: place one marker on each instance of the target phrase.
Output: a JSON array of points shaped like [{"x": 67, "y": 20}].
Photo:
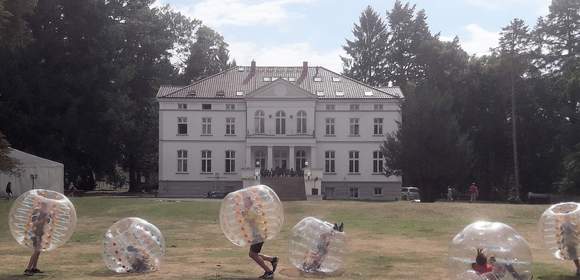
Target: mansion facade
[{"x": 225, "y": 131}]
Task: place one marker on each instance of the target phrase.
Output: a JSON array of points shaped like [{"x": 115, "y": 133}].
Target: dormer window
[
  {"x": 336, "y": 79},
  {"x": 274, "y": 78},
  {"x": 318, "y": 79},
  {"x": 319, "y": 93},
  {"x": 368, "y": 93},
  {"x": 239, "y": 93},
  {"x": 220, "y": 93},
  {"x": 292, "y": 79},
  {"x": 241, "y": 69},
  {"x": 267, "y": 79},
  {"x": 339, "y": 93}
]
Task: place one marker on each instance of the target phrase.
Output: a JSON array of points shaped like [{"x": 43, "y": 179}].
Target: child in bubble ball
[
  {"x": 314, "y": 259},
  {"x": 569, "y": 242},
  {"x": 481, "y": 265},
  {"x": 250, "y": 214},
  {"x": 40, "y": 222}
]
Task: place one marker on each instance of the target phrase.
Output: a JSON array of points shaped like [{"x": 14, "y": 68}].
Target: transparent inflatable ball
[
  {"x": 133, "y": 245},
  {"x": 560, "y": 228},
  {"x": 42, "y": 220},
  {"x": 317, "y": 246},
  {"x": 489, "y": 250},
  {"x": 251, "y": 215}
]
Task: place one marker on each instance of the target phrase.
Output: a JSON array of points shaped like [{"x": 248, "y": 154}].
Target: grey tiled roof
[{"x": 229, "y": 83}]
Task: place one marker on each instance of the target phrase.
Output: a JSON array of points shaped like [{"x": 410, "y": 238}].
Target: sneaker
[
  {"x": 36, "y": 270},
  {"x": 28, "y": 272},
  {"x": 274, "y": 263},
  {"x": 267, "y": 275}
]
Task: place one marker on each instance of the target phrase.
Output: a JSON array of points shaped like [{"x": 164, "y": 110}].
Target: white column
[
  {"x": 313, "y": 157},
  {"x": 270, "y": 157},
  {"x": 291, "y": 163},
  {"x": 249, "y": 163}
]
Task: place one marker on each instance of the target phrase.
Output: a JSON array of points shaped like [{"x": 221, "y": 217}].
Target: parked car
[
  {"x": 410, "y": 193},
  {"x": 217, "y": 194}
]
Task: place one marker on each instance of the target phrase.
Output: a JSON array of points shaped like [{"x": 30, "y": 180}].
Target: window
[
  {"x": 340, "y": 93},
  {"x": 354, "y": 107},
  {"x": 353, "y": 192},
  {"x": 354, "y": 127},
  {"x": 181, "y": 161},
  {"x": 301, "y": 122},
  {"x": 318, "y": 79},
  {"x": 259, "y": 122},
  {"x": 181, "y": 125},
  {"x": 280, "y": 123},
  {"x": 230, "y": 126},
  {"x": 292, "y": 79},
  {"x": 378, "y": 107},
  {"x": 336, "y": 79},
  {"x": 182, "y": 106},
  {"x": 230, "y": 161},
  {"x": 300, "y": 160},
  {"x": 314, "y": 191},
  {"x": 239, "y": 93},
  {"x": 329, "y": 126},
  {"x": 368, "y": 93},
  {"x": 329, "y": 163},
  {"x": 320, "y": 93},
  {"x": 230, "y": 107},
  {"x": 353, "y": 162},
  {"x": 241, "y": 69},
  {"x": 378, "y": 191},
  {"x": 378, "y": 126},
  {"x": 219, "y": 93},
  {"x": 377, "y": 162},
  {"x": 206, "y": 106},
  {"x": 206, "y": 161},
  {"x": 267, "y": 79},
  {"x": 330, "y": 107},
  {"x": 205, "y": 126}
]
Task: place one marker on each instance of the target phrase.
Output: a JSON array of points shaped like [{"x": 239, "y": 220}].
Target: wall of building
[{"x": 366, "y": 190}]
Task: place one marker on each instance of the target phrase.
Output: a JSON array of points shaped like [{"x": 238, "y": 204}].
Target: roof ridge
[
  {"x": 202, "y": 80},
  {"x": 360, "y": 83}
]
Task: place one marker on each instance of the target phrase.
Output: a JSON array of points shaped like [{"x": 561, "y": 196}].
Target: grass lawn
[{"x": 386, "y": 240}]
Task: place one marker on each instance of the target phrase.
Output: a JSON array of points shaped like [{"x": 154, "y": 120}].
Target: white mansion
[{"x": 220, "y": 131}]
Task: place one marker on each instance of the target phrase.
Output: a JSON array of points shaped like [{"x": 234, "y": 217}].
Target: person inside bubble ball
[
  {"x": 250, "y": 214},
  {"x": 41, "y": 219},
  {"x": 481, "y": 265},
  {"x": 501, "y": 269},
  {"x": 139, "y": 259},
  {"x": 569, "y": 242},
  {"x": 314, "y": 259}
]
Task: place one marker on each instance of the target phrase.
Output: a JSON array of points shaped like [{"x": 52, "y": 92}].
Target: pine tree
[{"x": 366, "y": 53}]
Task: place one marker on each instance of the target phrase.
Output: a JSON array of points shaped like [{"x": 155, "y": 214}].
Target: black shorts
[{"x": 256, "y": 248}]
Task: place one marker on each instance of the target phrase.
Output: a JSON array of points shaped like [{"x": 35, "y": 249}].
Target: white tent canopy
[{"x": 33, "y": 171}]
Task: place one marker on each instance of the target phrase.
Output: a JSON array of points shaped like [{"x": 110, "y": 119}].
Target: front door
[
  {"x": 260, "y": 157},
  {"x": 280, "y": 159},
  {"x": 300, "y": 160}
]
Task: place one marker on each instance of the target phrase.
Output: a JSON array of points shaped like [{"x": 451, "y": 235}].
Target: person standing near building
[
  {"x": 473, "y": 192},
  {"x": 9, "y": 193}
]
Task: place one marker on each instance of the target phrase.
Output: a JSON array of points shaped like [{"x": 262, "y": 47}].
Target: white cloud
[
  {"x": 541, "y": 6},
  {"x": 285, "y": 55},
  {"x": 241, "y": 12},
  {"x": 479, "y": 40}
]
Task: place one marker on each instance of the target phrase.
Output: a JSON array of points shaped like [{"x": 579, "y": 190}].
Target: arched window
[
  {"x": 280, "y": 123},
  {"x": 377, "y": 162},
  {"x": 206, "y": 161},
  {"x": 230, "y": 161},
  {"x": 353, "y": 164},
  {"x": 259, "y": 122},
  {"x": 301, "y": 122}
]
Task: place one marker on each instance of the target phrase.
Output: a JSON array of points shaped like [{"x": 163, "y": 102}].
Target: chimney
[
  {"x": 304, "y": 72},
  {"x": 252, "y": 72}
]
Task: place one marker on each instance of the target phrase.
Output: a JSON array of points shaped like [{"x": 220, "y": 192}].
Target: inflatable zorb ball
[
  {"x": 315, "y": 246},
  {"x": 133, "y": 245},
  {"x": 506, "y": 251},
  {"x": 42, "y": 219},
  {"x": 560, "y": 227},
  {"x": 251, "y": 215}
]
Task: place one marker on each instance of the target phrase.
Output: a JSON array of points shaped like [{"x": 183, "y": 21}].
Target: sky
[{"x": 287, "y": 32}]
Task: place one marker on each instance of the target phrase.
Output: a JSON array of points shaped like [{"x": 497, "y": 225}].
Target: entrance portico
[{"x": 287, "y": 157}]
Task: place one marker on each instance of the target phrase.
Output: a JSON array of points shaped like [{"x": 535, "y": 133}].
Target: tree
[
  {"x": 209, "y": 55},
  {"x": 14, "y": 29},
  {"x": 365, "y": 59}
]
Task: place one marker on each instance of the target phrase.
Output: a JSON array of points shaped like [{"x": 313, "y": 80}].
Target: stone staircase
[{"x": 287, "y": 188}]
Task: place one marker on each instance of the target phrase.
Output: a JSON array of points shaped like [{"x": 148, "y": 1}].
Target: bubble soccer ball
[
  {"x": 251, "y": 215},
  {"x": 316, "y": 247},
  {"x": 500, "y": 242},
  {"x": 42, "y": 219},
  {"x": 560, "y": 227},
  {"x": 133, "y": 245}
]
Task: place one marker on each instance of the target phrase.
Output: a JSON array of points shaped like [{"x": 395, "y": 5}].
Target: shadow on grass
[
  {"x": 109, "y": 274},
  {"x": 21, "y": 276},
  {"x": 560, "y": 277}
]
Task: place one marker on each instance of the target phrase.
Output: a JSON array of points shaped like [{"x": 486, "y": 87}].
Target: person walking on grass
[
  {"x": 473, "y": 192},
  {"x": 251, "y": 215},
  {"x": 9, "y": 193}
]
